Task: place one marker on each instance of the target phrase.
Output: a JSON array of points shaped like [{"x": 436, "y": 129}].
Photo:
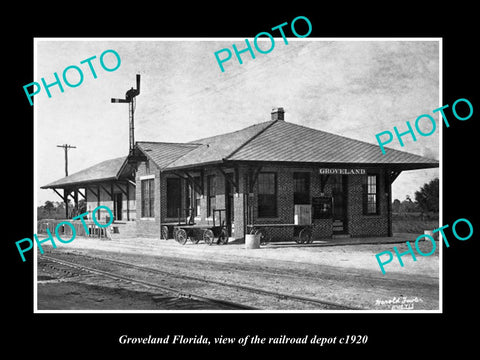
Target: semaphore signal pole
[{"x": 130, "y": 99}]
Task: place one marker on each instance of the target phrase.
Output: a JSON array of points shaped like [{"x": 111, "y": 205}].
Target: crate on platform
[{"x": 303, "y": 215}]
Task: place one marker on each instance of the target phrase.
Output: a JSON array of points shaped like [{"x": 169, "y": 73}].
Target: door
[
  {"x": 339, "y": 194},
  {"x": 117, "y": 206},
  {"x": 174, "y": 198}
]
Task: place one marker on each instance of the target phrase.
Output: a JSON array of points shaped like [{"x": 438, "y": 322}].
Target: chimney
[{"x": 278, "y": 113}]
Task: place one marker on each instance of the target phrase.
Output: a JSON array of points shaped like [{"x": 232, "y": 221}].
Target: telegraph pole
[{"x": 66, "y": 147}]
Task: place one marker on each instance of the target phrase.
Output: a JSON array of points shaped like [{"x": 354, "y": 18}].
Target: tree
[
  {"x": 396, "y": 206},
  {"x": 408, "y": 206},
  {"x": 49, "y": 206},
  {"x": 428, "y": 196}
]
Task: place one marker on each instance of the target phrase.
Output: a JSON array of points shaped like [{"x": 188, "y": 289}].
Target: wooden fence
[{"x": 93, "y": 229}]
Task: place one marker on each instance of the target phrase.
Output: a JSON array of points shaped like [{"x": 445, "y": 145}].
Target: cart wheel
[
  {"x": 165, "y": 232},
  {"x": 263, "y": 236},
  {"x": 208, "y": 236},
  {"x": 223, "y": 237},
  {"x": 181, "y": 236},
  {"x": 305, "y": 236}
]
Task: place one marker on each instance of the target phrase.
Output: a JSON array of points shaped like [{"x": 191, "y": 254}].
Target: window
[
  {"x": 370, "y": 200},
  {"x": 174, "y": 197},
  {"x": 148, "y": 197},
  {"x": 267, "y": 195},
  {"x": 211, "y": 195},
  {"x": 301, "y": 188}
]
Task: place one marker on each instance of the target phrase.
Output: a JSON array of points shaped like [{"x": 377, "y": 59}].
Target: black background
[{"x": 60, "y": 335}]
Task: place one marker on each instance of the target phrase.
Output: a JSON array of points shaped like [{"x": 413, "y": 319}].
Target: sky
[{"x": 355, "y": 88}]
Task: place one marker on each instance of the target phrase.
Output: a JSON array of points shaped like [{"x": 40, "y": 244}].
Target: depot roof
[
  {"x": 279, "y": 141},
  {"x": 275, "y": 141},
  {"x": 106, "y": 170}
]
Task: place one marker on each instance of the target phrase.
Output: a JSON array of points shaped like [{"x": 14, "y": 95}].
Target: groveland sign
[{"x": 335, "y": 171}]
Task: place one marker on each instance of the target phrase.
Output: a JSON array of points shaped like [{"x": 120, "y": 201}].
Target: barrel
[{"x": 252, "y": 241}]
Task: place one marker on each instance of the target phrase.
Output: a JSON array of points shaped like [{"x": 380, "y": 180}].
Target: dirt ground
[
  {"x": 78, "y": 296},
  {"x": 342, "y": 272}
]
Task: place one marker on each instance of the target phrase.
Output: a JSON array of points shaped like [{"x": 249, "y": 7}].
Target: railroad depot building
[{"x": 274, "y": 172}]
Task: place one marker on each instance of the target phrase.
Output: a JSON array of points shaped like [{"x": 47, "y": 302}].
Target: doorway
[
  {"x": 117, "y": 206},
  {"x": 339, "y": 206},
  {"x": 229, "y": 208}
]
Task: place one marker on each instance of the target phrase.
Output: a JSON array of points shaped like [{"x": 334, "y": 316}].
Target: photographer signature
[{"x": 399, "y": 303}]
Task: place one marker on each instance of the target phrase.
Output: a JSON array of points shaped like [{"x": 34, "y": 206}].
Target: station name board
[{"x": 330, "y": 171}]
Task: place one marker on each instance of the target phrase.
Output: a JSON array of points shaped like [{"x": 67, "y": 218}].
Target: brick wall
[
  {"x": 148, "y": 227},
  {"x": 284, "y": 205},
  {"x": 358, "y": 223},
  {"x": 322, "y": 228},
  {"x": 367, "y": 225}
]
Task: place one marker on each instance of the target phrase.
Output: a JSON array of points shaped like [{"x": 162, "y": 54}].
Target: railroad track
[
  {"x": 235, "y": 288},
  {"x": 229, "y": 305}
]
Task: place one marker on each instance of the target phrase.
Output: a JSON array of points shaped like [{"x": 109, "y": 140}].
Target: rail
[{"x": 272, "y": 295}]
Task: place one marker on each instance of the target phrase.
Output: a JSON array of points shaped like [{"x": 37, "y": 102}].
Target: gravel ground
[{"x": 347, "y": 274}]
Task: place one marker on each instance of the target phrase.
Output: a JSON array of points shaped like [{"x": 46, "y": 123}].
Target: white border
[
  {"x": 440, "y": 176},
  {"x": 35, "y": 183},
  {"x": 440, "y": 310}
]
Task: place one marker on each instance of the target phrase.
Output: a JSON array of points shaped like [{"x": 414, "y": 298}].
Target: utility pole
[{"x": 66, "y": 147}]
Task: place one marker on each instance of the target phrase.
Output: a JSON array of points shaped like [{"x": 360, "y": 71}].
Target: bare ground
[{"x": 346, "y": 274}]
